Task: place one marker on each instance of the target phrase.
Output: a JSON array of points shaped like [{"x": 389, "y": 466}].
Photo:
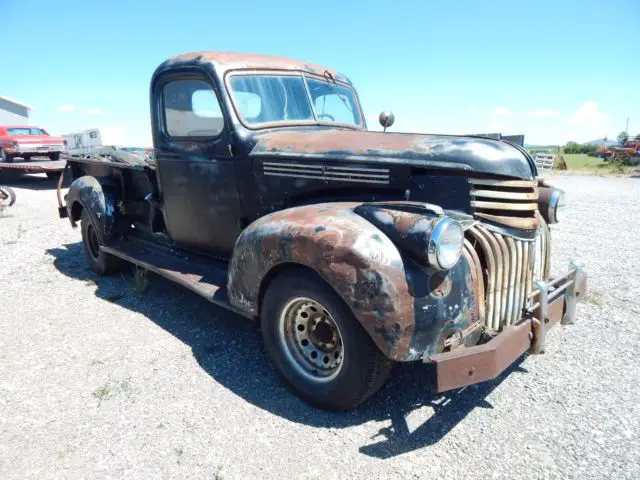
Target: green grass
[{"x": 578, "y": 161}]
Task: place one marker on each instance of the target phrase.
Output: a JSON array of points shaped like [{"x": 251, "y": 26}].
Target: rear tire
[
  {"x": 5, "y": 157},
  {"x": 316, "y": 344},
  {"x": 53, "y": 175},
  {"x": 54, "y": 156},
  {"x": 7, "y": 196},
  {"x": 92, "y": 239},
  {"x": 26, "y": 158}
]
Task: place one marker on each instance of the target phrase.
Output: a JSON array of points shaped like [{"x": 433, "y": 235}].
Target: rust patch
[
  {"x": 353, "y": 142},
  {"x": 440, "y": 285}
]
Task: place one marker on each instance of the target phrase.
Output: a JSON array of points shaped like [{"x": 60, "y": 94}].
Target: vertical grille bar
[{"x": 513, "y": 287}]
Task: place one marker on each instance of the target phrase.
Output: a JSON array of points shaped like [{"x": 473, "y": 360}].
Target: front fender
[
  {"x": 406, "y": 308},
  {"x": 100, "y": 203}
]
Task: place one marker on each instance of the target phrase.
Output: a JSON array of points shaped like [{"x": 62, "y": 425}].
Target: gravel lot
[{"x": 98, "y": 380}]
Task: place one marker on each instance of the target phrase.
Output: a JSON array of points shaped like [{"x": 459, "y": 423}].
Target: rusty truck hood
[{"x": 473, "y": 154}]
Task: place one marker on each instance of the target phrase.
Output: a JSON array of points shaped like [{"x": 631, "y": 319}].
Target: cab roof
[{"x": 224, "y": 61}]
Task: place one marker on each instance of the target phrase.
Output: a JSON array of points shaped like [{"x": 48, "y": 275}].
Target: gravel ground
[{"x": 97, "y": 380}]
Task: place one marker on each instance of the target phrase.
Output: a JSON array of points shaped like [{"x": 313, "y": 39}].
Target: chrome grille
[
  {"x": 512, "y": 203},
  {"x": 506, "y": 268}
]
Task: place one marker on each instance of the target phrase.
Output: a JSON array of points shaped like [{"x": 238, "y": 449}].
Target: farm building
[{"x": 13, "y": 112}]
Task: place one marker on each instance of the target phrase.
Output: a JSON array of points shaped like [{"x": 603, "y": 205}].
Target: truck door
[{"x": 195, "y": 170}]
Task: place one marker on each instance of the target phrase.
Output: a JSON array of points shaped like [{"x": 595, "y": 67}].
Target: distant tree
[
  {"x": 571, "y": 147},
  {"x": 622, "y": 137}
]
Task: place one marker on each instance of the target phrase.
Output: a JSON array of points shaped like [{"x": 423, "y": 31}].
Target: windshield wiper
[{"x": 329, "y": 77}]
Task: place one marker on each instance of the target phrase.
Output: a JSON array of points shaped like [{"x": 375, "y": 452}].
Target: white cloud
[
  {"x": 589, "y": 114},
  {"x": 502, "y": 111},
  {"x": 94, "y": 111},
  {"x": 67, "y": 107},
  {"x": 544, "y": 112},
  {"x": 113, "y": 135}
]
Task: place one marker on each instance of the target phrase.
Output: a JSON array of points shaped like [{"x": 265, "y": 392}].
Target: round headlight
[
  {"x": 445, "y": 244},
  {"x": 560, "y": 205},
  {"x": 557, "y": 205}
]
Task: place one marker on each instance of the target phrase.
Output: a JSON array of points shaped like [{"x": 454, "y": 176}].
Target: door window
[{"x": 191, "y": 109}]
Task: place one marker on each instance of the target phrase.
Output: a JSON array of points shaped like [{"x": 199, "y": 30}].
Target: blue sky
[{"x": 553, "y": 70}]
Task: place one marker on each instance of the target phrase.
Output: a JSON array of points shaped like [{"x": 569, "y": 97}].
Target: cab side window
[{"x": 191, "y": 109}]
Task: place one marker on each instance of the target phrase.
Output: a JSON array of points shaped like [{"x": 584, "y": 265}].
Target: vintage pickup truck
[{"x": 355, "y": 249}]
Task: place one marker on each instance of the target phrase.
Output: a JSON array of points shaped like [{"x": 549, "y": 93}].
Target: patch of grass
[
  {"x": 111, "y": 390},
  {"x": 594, "y": 298},
  {"x": 585, "y": 163},
  {"x": 65, "y": 451}
]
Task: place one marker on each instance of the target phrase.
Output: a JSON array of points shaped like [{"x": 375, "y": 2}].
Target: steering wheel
[{"x": 329, "y": 116}]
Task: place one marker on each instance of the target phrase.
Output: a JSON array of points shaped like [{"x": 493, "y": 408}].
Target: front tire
[
  {"x": 92, "y": 239},
  {"x": 316, "y": 344}
]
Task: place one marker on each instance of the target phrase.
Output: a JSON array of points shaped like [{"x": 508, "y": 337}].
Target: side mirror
[{"x": 386, "y": 119}]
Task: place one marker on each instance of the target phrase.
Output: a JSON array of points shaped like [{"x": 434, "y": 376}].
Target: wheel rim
[
  {"x": 311, "y": 340},
  {"x": 93, "y": 242}
]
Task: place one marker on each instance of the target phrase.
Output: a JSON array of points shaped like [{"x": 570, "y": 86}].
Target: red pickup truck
[{"x": 27, "y": 142}]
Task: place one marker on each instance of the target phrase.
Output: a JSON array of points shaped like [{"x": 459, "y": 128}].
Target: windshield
[
  {"x": 293, "y": 98},
  {"x": 25, "y": 131}
]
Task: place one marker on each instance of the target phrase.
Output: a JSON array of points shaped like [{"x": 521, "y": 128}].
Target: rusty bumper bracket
[{"x": 556, "y": 303}]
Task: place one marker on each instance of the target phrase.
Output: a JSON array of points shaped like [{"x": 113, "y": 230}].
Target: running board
[{"x": 204, "y": 278}]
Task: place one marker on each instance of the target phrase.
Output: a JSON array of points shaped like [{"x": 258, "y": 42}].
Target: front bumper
[{"x": 555, "y": 302}]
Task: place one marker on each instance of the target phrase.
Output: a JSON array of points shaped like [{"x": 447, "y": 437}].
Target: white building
[{"x": 13, "y": 112}]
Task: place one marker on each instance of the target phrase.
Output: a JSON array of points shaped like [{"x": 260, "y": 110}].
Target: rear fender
[
  {"x": 405, "y": 308},
  {"x": 98, "y": 199}
]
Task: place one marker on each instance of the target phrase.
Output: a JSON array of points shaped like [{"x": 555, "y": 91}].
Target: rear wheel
[
  {"x": 54, "y": 156},
  {"x": 92, "y": 239},
  {"x": 316, "y": 344},
  {"x": 5, "y": 157},
  {"x": 26, "y": 158},
  {"x": 7, "y": 196}
]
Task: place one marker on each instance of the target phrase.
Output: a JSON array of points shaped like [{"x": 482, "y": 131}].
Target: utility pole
[{"x": 627, "y": 129}]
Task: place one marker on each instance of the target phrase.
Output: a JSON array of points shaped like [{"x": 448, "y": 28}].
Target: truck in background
[{"x": 80, "y": 144}]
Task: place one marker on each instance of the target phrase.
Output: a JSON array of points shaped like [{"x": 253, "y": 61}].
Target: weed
[
  {"x": 594, "y": 298},
  {"x": 65, "y": 451},
  {"x": 179, "y": 451},
  {"x": 140, "y": 279},
  {"x": 111, "y": 390}
]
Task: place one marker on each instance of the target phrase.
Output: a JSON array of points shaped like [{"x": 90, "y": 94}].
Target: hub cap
[{"x": 311, "y": 340}]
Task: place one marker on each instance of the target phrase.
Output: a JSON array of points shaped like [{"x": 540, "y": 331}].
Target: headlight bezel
[
  {"x": 551, "y": 204},
  {"x": 434, "y": 253}
]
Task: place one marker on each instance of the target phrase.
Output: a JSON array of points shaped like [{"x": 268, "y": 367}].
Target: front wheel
[{"x": 316, "y": 344}]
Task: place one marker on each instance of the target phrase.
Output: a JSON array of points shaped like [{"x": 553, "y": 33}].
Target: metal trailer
[{"x": 51, "y": 168}]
